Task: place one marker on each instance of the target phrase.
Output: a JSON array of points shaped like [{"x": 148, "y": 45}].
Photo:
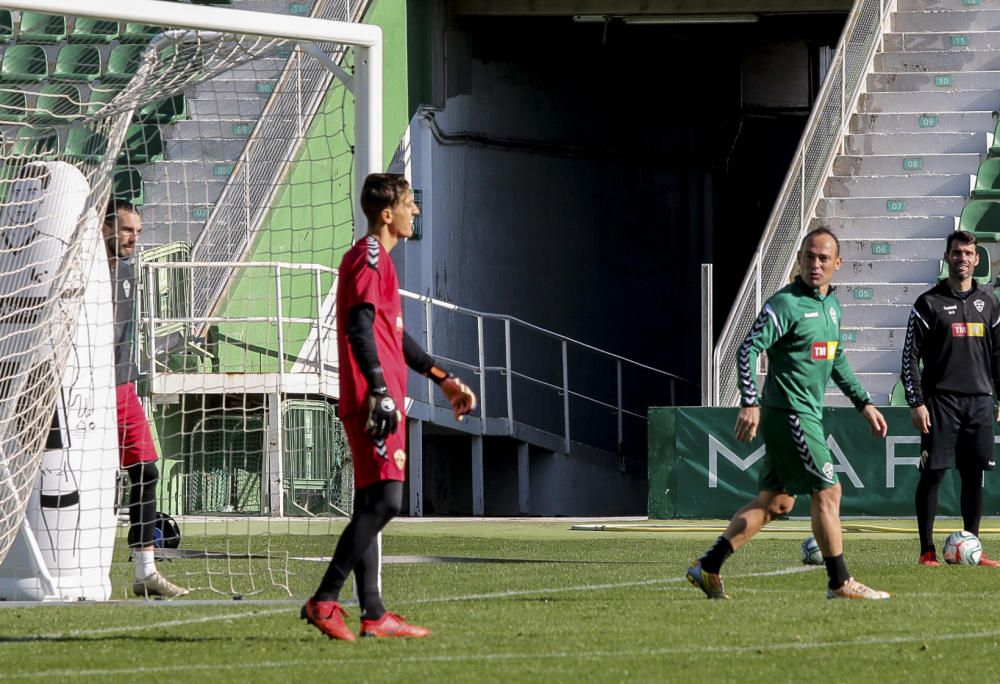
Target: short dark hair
[
  {"x": 116, "y": 205},
  {"x": 962, "y": 237},
  {"x": 822, "y": 230},
  {"x": 382, "y": 190}
]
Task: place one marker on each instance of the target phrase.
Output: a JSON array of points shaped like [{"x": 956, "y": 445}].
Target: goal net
[{"x": 239, "y": 134}]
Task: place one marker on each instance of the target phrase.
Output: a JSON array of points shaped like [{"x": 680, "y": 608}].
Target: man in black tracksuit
[{"x": 954, "y": 329}]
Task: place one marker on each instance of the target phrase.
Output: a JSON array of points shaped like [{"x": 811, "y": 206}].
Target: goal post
[{"x": 237, "y": 371}]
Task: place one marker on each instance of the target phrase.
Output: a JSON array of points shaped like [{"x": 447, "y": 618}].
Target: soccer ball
[
  {"x": 962, "y": 548},
  {"x": 811, "y": 555}
]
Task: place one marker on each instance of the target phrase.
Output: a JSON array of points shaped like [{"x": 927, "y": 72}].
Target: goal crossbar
[{"x": 366, "y": 38}]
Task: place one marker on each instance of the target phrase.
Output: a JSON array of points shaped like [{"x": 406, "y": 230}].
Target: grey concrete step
[
  {"x": 874, "y": 361},
  {"x": 915, "y": 143},
  {"x": 884, "y": 206},
  {"x": 873, "y": 338},
  {"x": 969, "y": 19},
  {"x": 217, "y": 150},
  {"x": 874, "y": 164},
  {"x": 931, "y": 102},
  {"x": 911, "y": 122},
  {"x": 897, "y": 186},
  {"x": 884, "y": 293},
  {"x": 922, "y": 41},
  {"x": 895, "y": 248},
  {"x": 876, "y": 315},
  {"x": 886, "y": 227},
  {"x": 984, "y": 60},
  {"x": 248, "y": 107},
  {"x": 187, "y": 192},
  {"x": 878, "y": 386},
  {"x": 888, "y": 270},
  {"x": 917, "y": 5},
  {"x": 942, "y": 81}
]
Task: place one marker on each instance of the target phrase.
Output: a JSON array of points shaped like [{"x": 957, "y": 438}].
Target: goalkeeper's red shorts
[
  {"x": 375, "y": 460},
  {"x": 135, "y": 441}
]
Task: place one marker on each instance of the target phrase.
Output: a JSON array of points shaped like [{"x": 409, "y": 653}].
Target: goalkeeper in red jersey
[{"x": 374, "y": 352}]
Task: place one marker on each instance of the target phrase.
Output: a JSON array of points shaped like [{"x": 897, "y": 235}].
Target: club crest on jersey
[
  {"x": 833, "y": 314},
  {"x": 400, "y": 458},
  {"x": 127, "y": 288},
  {"x": 824, "y": 351},
  {"x": 979, "y": 304},
  {"x": 399, "y": 322},
  {"x": 967, "y": 330}
]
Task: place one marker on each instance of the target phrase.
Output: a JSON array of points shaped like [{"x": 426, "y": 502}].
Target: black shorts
[{"x": 961, "y": 425}]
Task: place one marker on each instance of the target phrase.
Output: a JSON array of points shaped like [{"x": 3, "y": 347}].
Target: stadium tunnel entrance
[{"x": 578, "y": 165}]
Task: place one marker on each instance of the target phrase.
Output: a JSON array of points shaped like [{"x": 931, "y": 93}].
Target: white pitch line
[{"x": 443, "y": 599}]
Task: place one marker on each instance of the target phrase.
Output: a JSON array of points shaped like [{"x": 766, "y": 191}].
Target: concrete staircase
[{"x": 915, "y": 143}]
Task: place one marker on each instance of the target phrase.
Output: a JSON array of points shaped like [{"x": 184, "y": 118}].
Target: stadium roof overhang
[{"x": 648, "y": 8}]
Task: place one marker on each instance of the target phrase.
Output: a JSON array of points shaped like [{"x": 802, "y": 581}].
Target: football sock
[
  {"x": 836, "y": 570},
  {"x": 714, "y": 558},
  {"x": 144, "y": 563},
  {"x": 926, "y": 501},
  {"x": 972, "y": 500},
  {"x": 374, "y": 507}
]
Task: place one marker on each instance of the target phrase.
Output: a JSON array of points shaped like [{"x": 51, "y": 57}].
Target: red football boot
[
  {"x": 392, "y": 625},
  {"x": 929, "y": 558},
  {"x": 327, "y": 617}
]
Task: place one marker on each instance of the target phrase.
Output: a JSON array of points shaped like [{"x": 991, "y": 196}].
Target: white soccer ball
[
  {"x": 811, "y": 555},
  {"x": 962, "y": 548}
]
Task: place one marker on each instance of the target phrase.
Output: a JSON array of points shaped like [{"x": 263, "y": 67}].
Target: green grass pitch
[{"x": 589, "y": 607}]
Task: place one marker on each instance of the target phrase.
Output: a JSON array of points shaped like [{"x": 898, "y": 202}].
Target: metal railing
[
  {"x": 821, "y": 141},
  {"x": 270, "y": 148},
  {"x": 525, "y": 376}
]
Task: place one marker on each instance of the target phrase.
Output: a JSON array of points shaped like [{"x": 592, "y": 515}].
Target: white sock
[{"x": 144, "y": 564}]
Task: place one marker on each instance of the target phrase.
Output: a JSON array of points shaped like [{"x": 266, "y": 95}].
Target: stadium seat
[
  {"x": 995, "y": 147},
  {"x": 139, "y": 33},
  {"x": 36, "y": 27},
  {"x": 83, "y": 144},
  {"x": 86, "y": 30},
  {"x": 984, "y": 271},
  {"x": 898, "y": 395},
  {"x": 13, "y": 104},
  {"x": 100, "y": 97},
  {"x": 981, "y": 217},
  {"x": 122, "y": 63},
  {"x": 78, "y": 63},
  {"x": 56, "y": 103},
  {"x": 36, "y": 143},
  {"x": 6, "y": 26},
  {"x": 143, "y": 145},
  {"x": 24, "y": 63},
  {"x": 164, "y": 111},
  {"x": 127, "y": 185},
  {"x": 988, "y": 180}
]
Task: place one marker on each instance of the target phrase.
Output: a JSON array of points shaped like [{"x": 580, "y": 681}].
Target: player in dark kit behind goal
[{"x": 136, "y": 450}]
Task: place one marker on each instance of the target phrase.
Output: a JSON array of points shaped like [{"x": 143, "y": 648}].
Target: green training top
[{"x": 800, "y": 331}]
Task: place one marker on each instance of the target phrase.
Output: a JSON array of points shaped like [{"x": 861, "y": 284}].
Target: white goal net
[{"x": 239, "y": 136}]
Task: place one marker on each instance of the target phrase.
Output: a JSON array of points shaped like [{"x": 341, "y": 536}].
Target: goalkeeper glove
[
  {"x": 461, "y": 398},
  {"x": 383, "y": 418}
]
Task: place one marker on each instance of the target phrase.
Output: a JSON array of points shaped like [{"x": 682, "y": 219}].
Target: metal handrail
[
  {"x": 821, "y": 142},
  {"x": 494, "y": 410}
]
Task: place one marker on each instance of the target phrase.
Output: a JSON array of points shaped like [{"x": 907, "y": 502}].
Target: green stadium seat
[
  {"x": 24, "y": 63},
  {"x": 36, "y": 27},
  {"x": 987, "y": 180},
  {"x": 127, "y": 185},
  {"x": 78, "y": 63},
  {"x": 84, "y": 144},
  {"x": 143, "y": 145},
  {"x": 13, "y": 104},
  {"x": 123, "y": 62},
  {"x": 57, "y": 103},
  {"x": 995, "y": 147},
  {"x": 139, "y": 33},
  {"x": 37, "y": 143},
  {"x": 984, "y": 271},
  {"x": 87, "y": 30},
  {"x": 164, "y": 111},
  {"x": 99, "y": 97},
  {"x": 6, "y": 26},
  {"x": 981, "y": 217}
]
